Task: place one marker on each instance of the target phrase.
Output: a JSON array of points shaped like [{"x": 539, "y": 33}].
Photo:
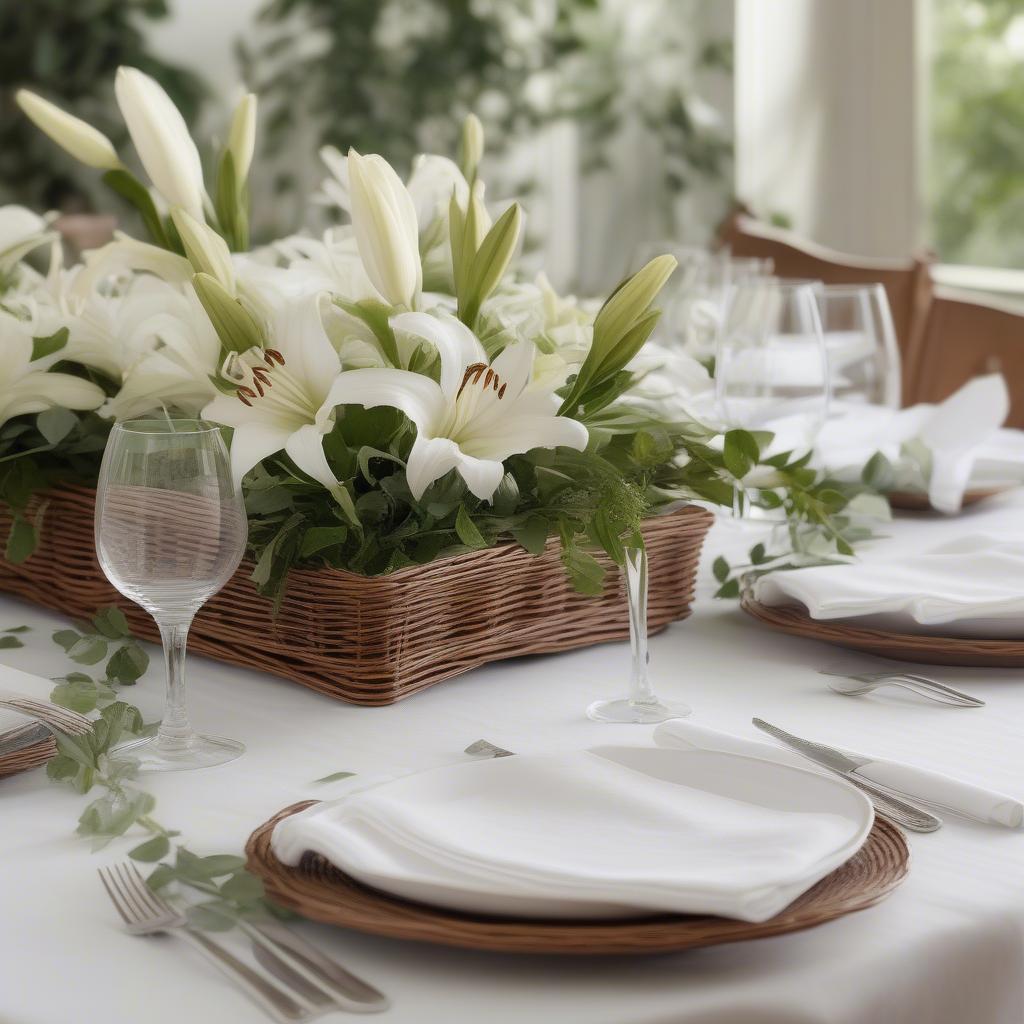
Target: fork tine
[
  {"x": 136, "y": 894},
  {"x": 114, "y": 895},
  {"x": 159, "y": 905},
  {"x": 51, "y": 714}
]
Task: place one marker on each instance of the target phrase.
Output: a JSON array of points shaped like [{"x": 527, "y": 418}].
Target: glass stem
[
  {"x": 175, "y": 732},
  {"x": 640, "y": 689}
]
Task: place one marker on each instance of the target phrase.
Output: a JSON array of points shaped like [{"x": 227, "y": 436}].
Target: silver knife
[{"x": 917, "y": 819}]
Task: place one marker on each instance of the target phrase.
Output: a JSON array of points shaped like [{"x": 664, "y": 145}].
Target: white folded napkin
[
  {"x": 970, "y": 587},
  {"x": 967, "y": 799},
  {"x": 606, "y": 832},
  {"x": 959, "y": 443}
]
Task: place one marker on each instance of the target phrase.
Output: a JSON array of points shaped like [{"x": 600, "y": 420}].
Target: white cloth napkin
[
  {"x": 969, "y": 587},
  {"x": 579, "y": 834},
  {"x": 960, "y": 436},
  {"x": 968, "y": 800}
]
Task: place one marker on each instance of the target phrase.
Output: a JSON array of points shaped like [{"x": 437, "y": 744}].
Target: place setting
[{"x": 444, "y": 578}]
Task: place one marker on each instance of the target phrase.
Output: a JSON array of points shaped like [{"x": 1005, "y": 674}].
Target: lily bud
[
  {"x": 471, "y": 146},
  {"x": 206, "y": 250},
  {"x": 386, "y": 230},
  {"x": 235, "y": 326},
  {"x": 242, "y": 137},
  {"x": 481, "y": 218},
  {"x": 161, "y": 139},
  {"x": 77, "y": 137}
]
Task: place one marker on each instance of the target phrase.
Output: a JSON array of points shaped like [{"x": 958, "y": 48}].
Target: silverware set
[
  {"x": 298, "y": 982},
  {"x": 51, "y": 715}
]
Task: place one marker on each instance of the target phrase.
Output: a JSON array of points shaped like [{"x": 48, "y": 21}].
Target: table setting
[{"x": 510, "y": 665}]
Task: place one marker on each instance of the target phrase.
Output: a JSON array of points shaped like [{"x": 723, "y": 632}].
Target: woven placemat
[
  {"x": 317, "y": 890},
  {"x": 930, "y": 650},
  {"x": 31, "y": 756}
]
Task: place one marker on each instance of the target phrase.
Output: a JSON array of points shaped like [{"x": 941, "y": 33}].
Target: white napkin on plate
[
  {"x": 960, "y": 435},
  {"x": 967, "y": 799},
  {"x": 970, "y": 587},
  {"x": 606, "y": 832}
]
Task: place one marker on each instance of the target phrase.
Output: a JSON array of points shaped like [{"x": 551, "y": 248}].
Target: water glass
[{"x": 170, "y": 532}]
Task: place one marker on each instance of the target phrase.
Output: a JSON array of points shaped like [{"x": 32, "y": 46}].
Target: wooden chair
[
  {"x": 961, "y": 339},
  {"x": 907, "y": 282}
]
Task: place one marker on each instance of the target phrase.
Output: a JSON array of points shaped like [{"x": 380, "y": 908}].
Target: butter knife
[{"x": 904, "y": 813}]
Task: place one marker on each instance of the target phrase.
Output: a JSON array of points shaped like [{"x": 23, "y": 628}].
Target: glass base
[
  {"x": 627, "y": 711},
  {"x": 199, "y": 752}
]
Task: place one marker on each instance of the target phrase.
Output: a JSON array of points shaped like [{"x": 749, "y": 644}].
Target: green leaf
[
  {"x": 10, "y": 643},
  {"x": 80, "y": 694},
  {"x": 160, "y": 876},
  {"x": 242, "y": 888},
  {"x": 21, "y": 541},
  {"x": 17, "y": 629},
  {"x": 151, "y": 850},
  {"x": 758, "y": 555},
  {"x": 88, "y": 650},
  {"x": 67, "y": 638},
  {"x": 720, "y": 568},
  {"x": 467, "y": 530},
  {"x": 43, "y": 347},
  {"x": 585, "y": 572},
  {"x": 335, "y": 777},
  {"x": 729, "y": 589},
  {"x": 128, "y": 664},
  {"x": 740, "y": 453},
  {"x": 533, "y": 534},
  {"x": 204, "y": 869},
  {"x": 60, "y": 768},
  {"x": 208, "y": 918},
  {"x": 111, "y": 622},
  {"x": 55, "y": 424},
  {"x": 317, "y": 538},
  {"x": 878, "y": 473}
]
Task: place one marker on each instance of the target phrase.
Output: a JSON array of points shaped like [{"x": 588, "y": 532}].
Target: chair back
[{"x": 961, "y": 339}]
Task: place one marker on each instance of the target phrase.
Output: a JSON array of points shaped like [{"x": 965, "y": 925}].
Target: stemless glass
[
  {"x": 771, "y": 366},
  {"x": 641, "y": 706},
  {"x": 860, "y": 340},
  {"x": 170, "y": 531}
]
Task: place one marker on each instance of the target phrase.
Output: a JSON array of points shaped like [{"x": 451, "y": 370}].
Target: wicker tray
[
  {"x": 319, "y": 891},
  {"x": 375, "y": 640},
  {"x": 928, "y": 650},
  {"x": 30, "y": 756},
  {"x": 916, "y": 501}
]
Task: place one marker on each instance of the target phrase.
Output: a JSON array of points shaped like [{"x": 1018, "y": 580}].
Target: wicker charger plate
[
  {"x": 319, "y": 891},
  {"x": 917, "y": 501},
  {"x": 30, "y": 756},
  {"x": 929, "y": 650}
]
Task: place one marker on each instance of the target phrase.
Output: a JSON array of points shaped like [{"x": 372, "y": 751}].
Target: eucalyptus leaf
[
  {"x": 10, "y": 643},
  {"x": 151, "y": 850},
  {"x": 335, "y": 777}
]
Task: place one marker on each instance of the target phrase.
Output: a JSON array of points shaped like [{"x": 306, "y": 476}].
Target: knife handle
[{"x": 950, "y": 794}]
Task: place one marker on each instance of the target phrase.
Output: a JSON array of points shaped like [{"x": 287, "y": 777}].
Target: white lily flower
[
  {"x": 85, "y": 143},
  {"x": 242, "y": 136},
  {"x": 161, "y": 139},
  {"x": 27, "y": 388},
  {"x": 282, "y": 401},
  {"x": 21, "y": 231},
  {"x": 206, "y": 250},
  {"x": 125, "y": 255},
  {"x": 475, "y": 418},
  {"x": 386, "y": 230}
]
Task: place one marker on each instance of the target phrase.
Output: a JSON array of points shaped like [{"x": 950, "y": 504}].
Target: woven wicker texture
[
  {"x": 929, "y": 650},
  {"x": 375, "y": 640},
  {"x": 24, "y": 758},
  {"x": 321, "y": 892}
]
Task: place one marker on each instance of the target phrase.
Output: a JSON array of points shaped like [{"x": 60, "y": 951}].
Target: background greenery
[{"x": 976, "y": 165}]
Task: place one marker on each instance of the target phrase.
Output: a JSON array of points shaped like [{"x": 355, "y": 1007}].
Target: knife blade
[{"x": 845, "y": 765}]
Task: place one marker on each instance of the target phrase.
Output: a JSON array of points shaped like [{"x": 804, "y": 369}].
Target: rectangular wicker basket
[{"x": 375, "y": 640}]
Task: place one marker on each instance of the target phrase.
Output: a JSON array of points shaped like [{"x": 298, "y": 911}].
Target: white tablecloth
[{"x": 948, "y": 946}]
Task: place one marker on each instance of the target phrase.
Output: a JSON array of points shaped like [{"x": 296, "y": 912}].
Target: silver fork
[
  {"x": 145, "y": 913},
  {"x": 52, "y": 715},
  {"x": 853, "y": 685}
]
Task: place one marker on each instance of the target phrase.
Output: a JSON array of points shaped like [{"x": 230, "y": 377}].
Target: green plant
[{"x": 68, "y": 50}]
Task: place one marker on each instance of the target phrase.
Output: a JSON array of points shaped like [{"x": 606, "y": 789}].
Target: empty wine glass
[
  {"x": 860, "y": 340},
  {"x": 641, "y": 706},
  {"x": 771, "y": 366},
  {"x": 170, "y": 532}
]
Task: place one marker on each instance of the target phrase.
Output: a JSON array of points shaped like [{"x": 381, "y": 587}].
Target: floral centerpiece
[{"x": 392, "y": 393}]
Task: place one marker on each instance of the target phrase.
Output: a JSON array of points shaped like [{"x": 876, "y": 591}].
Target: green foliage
[
  {"x": 976, "y": 164},
  {"x": 68, "y": 52}
]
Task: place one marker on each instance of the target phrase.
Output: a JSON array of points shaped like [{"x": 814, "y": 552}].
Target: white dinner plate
[{"x": 610, "y": 832}]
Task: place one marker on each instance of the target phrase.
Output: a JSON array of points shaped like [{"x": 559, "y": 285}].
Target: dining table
[{"x": 946, "y": 947}]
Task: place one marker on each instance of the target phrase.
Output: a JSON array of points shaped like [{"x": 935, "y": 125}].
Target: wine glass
[
  {"x": 641, "y": 706},
  {"x": 170, "y": 532},
  {"x": 771, "y": 366},
  {"x": 860, "y": 340}
]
